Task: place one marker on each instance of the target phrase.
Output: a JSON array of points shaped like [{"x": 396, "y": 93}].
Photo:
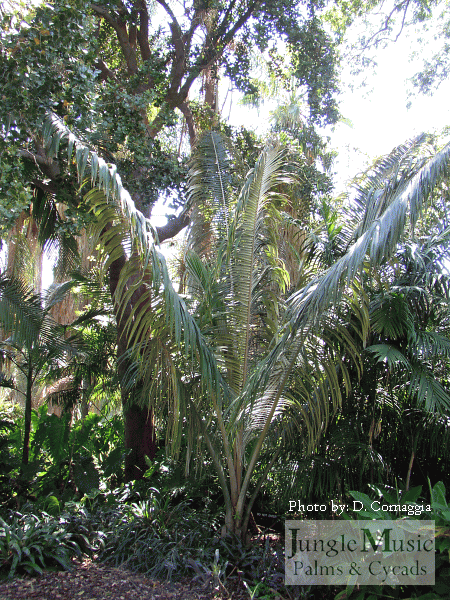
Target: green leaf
[
  {"x": 86, "y": 475},
  {"x": 438, "y": 494},
  {"x": 411, "y": 495}
]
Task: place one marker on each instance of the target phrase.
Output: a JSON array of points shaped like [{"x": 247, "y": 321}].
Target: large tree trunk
[{"x": 140, "y": 440}]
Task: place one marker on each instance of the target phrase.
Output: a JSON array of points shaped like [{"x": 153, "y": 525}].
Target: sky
[{"x": 380, "y": 119}]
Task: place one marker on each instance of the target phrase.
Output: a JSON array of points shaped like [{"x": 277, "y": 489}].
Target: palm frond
[
  {"x": 251, "y": 245},
  {"x": 56, "y": 293},
  {"x": 376, "y": 243},
  {"x": 390, "y": 355},
  {"x": 431, "y": 345},
  {"x": 430, "y": 393},
  {"x": 27, "y": 326},
  {"x": 103, "y": 176},
  {"x": 21, "y": 313},
  {"x": 211, "y": 194},
  {"x": 118, "y": 220},
  {"x": 242, "y": 236},
  {"x": 391, "y": 316}
]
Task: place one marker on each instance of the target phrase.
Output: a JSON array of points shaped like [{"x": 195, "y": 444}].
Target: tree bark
[
  {"x": 27, "y": 416},
  {"x": 139, "y": 428},
  {"x": 140, "y": 440}
]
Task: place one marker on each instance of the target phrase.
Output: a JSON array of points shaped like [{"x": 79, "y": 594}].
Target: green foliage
[
  {"x": 393, "y": 425},
  {"x": 71, "y": 59},
  {"x": 16, "y": 193},
  {"x": 11, "y": 418},
  {"x": 314, "y": 65},
  {"x": 77, "y": 457},
  {"x": 156, "y": 537},
  {"x": 44, "y": 41},
  {"x": 29, "y": 544},
  {"x": 440, "y": 513},
  {"x": 31, "y": 339},
  {"x": 168, "y": 538},
  {"x": 246, "y": 359},
  {"x": 66, "y": 460}
]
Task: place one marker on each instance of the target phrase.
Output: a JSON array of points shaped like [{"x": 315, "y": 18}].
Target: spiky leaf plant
[{"x": 29, "y": 544}]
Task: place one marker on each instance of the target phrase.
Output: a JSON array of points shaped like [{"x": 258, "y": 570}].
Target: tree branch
[
  {"x": 177, "y": 92},
  {"x": 224, "y": 24},
  {"x": 129, "y": 52},
  {"x": 106, "y": 73},
  {"x": 402, "y": 6},
  {"x": 48, "y": 166},
  {"x": 216, "y": 48},
  {"x": 169, "y": 11},
  {"x": 142, "y": 33},
  {"x": 243, "y": 19},
  {"x": 185, "y": 109},
  {"x": 48, "y": 188},
  {"x": 173, "y": 227}
]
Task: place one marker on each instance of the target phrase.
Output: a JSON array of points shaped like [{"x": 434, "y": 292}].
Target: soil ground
[{"x": 94, "y": 581}]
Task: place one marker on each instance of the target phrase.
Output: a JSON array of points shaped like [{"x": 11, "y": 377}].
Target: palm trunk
[
  {"x": 27, "y": 421},
  {"x": 408, "y": 475}
]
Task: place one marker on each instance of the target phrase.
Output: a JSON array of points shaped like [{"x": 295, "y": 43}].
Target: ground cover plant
[{"x": 29, "y": 543}]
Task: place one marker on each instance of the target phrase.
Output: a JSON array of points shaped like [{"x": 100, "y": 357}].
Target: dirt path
[{"x": 94, "y": 581}]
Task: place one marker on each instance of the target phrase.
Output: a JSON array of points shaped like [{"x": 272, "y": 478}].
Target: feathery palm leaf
[
  {"x": 20, "y": 311},
  {"x": 112, "y": 204},
  {"x": 375, "y": 244}
]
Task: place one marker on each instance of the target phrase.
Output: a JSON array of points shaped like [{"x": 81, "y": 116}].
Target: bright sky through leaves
[
  {"x": 380, "y": 117},
  {"x": 378, "y": 112}
]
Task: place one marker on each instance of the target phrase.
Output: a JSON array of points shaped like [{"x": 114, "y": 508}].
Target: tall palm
[
  {"x": 246, "y": 391},
  {"x": 239, "y": 285}
]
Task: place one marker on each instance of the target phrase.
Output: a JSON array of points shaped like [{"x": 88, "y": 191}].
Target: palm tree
[
  {"x": 31, "y": 340},
  {"x": 244, "y": 259},
  {"x": 235, "y": 391},
  {"x": 394, "y": 422},
  {"x": 398, "y": 411}
]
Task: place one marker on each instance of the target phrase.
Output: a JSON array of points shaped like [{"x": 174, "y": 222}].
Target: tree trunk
[
  {"x": 139, "y": 440},
  {"x": 27, "y": 419}
]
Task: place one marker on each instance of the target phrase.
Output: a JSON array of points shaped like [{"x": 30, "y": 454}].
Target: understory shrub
[
  {"x": 155, "y": 537},
  {"x": 30, "y": 543},
  {"x": 67, "y": 461},
  {"x": 440, "y": 514}
]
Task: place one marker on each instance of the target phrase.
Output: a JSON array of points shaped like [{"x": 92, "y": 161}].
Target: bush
[
  {"x": 440, "y": 514},
  {"x": 155, "y": 537},
  {"x": 29, "y": 544}
]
